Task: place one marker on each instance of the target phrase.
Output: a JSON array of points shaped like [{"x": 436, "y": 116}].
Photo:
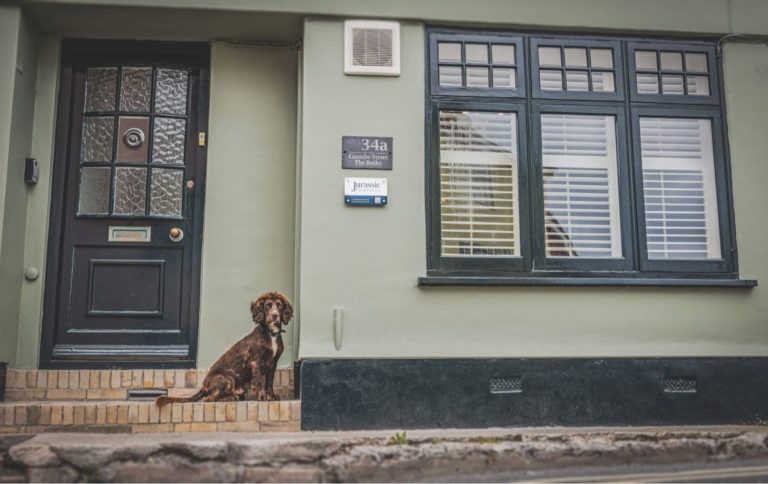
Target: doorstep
[
  {"x": 145, "y": 416},
  {"x": 37, "y": 385}
]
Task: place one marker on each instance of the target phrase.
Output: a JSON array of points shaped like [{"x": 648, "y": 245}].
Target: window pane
[
  {"x": 450, "y": 76},
  {"x": 166, "y": 192},
  {"x": 94, "y": 190},
  {"x": 476, "y": 53},
  {"x": 601, "y": 58},
  {"x": 645, "y": 60},
  {"x": 98, "y": 137},
  {"x": 576, "y": 57},
  {"x": 576, "y": 81},
  {"x": 672, "y": 84},
  {"x": 696, "y": 62},
  {"x": 671, "y": 61},
  {"x": 698, "y": 86},
  {"x": 603, "y": 82},
  {"x": 681, "y": 218},
  {"x": 549, "y": 56},
  {"x": 503, "y": 54},
  {"x": 100, "y": 89},
  {"x": 477, "y": 76},
  {"x": 478, "y": 184},
  {"x": 581, "y": 206},
  {"x": 503, "y": 77},
  {"x": 551, "y": 80},
  {"x": 647, "y": 83},
  {"x": 135, "y": 89},
  {"x": 130, "y": 191},
  {"x": 448, "y": 52},
  {"x": 171, "y": 91}
]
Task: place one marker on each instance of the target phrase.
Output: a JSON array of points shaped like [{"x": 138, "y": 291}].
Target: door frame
[{"x": 64, "y": 122}]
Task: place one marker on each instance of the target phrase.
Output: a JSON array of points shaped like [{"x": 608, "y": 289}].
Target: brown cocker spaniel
[{"x": 252, "y": 361}]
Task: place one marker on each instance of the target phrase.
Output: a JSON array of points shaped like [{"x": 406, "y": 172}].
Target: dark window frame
[
  {"x": 563, "y": 43},
  {"x": 534, "y": 267},
  {"x": 713, "y": 72}
]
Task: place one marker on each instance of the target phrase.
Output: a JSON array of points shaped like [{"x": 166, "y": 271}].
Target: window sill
[{"x": 431, "y": 281}]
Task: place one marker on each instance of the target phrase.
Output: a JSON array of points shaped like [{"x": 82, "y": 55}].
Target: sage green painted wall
[
  {"x": 39, "y": 202},
  {"x": 248, "y": 241},
  {"x": 747, "y": 16},
  {"x": 18, "y": 62},
  {"x": 366, "y": 260}
]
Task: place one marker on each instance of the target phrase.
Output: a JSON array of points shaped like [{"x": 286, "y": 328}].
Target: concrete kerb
[{"x": 367, "y": 456}]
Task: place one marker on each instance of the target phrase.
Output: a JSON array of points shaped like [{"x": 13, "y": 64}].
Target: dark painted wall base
[
  {"x": 379, "y": 394},
  {"x": 3, "y": 370}
]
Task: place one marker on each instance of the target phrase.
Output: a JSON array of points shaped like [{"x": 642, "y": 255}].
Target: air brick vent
[
  {"x": 680, "y": 385},
  {"x": 513, "y": 384}
]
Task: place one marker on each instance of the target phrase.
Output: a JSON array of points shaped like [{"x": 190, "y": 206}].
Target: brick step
[
  {"x": 40, "y": 385},
  {"x": 145, "y": 416}
]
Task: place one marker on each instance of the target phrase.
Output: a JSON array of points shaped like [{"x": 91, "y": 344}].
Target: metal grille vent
[
  {"x": 371, "y": 47},
  {"x": 512, "y": 384},
  {"x": 680, "y": 385}
]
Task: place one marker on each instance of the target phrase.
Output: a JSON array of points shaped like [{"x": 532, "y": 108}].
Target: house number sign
[{"x": 366, "y": 152}]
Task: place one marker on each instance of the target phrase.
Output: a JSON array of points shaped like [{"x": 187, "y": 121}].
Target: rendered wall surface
[
  {"x": 366, "y": 261},
  {"x": 248, "y": 242},
  {"x": 18, "y": 64}
]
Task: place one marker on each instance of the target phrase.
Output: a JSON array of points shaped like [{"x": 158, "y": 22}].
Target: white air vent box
[{"x": 372, "y": 47}]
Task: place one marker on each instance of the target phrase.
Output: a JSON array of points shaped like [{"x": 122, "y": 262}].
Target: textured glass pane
[
  {"x": 645, "y": 60},
  {"x": 166, "y": 194},
  {"x": 647, "y": 83},
  {"x": 168, "y": 141},
  {"x": 476, "y": 53},
  {"x": 477, "y": 76},
  {"x": 551, "y": 80},
  {"x": 698, "y": 86},
  {"x": 549, "y": 56},
  {"x": 135, "y": 89},
  {"x": 171, "y": 91},
  {"x": 503, "y": 54},
  {"x": 696, "y": 62},
  {"x": 130, "y": 191},
  {"x": 602, "y": 82},
  {"x": 576, "y": 81},
  {"x": 100, "y": 89},
  {"x": 450, "y": 76},
  {"x": 601, "y": 58},
  {"x": 98, "y": 134},
  {"x": 672, "y": 84},
  {"x": 448, "y": 52},
  {"x": 671, "y": 61},
  {"x": 576, "y": 57},
  {"x": 478, "y": 184},
  {"x": 94, "y": 190},
  {"x": 503, "y": 77}
]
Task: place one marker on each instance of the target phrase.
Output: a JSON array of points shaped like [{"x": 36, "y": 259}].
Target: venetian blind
[
  {"x": 678, "y": 188},
  {"x": 478, "y": 184},
  {"x": 581, "y": 217}
]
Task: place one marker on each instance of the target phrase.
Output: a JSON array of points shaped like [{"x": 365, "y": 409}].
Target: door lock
[{"x": 176, "y": 234}]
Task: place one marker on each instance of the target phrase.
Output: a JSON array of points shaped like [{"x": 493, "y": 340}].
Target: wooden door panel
[{"x": 121, "y": 289}]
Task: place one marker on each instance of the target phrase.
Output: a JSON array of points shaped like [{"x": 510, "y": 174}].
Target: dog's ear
[
  {"x": 287, "y": 313},
  {"x": 257, "y": 310}
]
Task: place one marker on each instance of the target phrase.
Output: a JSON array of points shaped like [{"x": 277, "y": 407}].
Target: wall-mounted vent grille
[
  {"x": 371, "y": 47},
  {"x": 680, "y": 385},
  {"x": 146, "y": 393},
  {"x": 509, "y": 384}
]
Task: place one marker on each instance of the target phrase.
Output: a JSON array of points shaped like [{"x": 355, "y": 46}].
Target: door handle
[{"x": 176, "y": 234}]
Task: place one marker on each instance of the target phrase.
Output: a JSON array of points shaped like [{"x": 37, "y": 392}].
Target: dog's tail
[{"x": 163, "y": 401}]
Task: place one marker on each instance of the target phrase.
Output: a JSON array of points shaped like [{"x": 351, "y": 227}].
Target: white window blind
[
  {"x": 679, "y": 188},
  {"x": 581, "y": 206},
  {"x": 478, "y": 184}
]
